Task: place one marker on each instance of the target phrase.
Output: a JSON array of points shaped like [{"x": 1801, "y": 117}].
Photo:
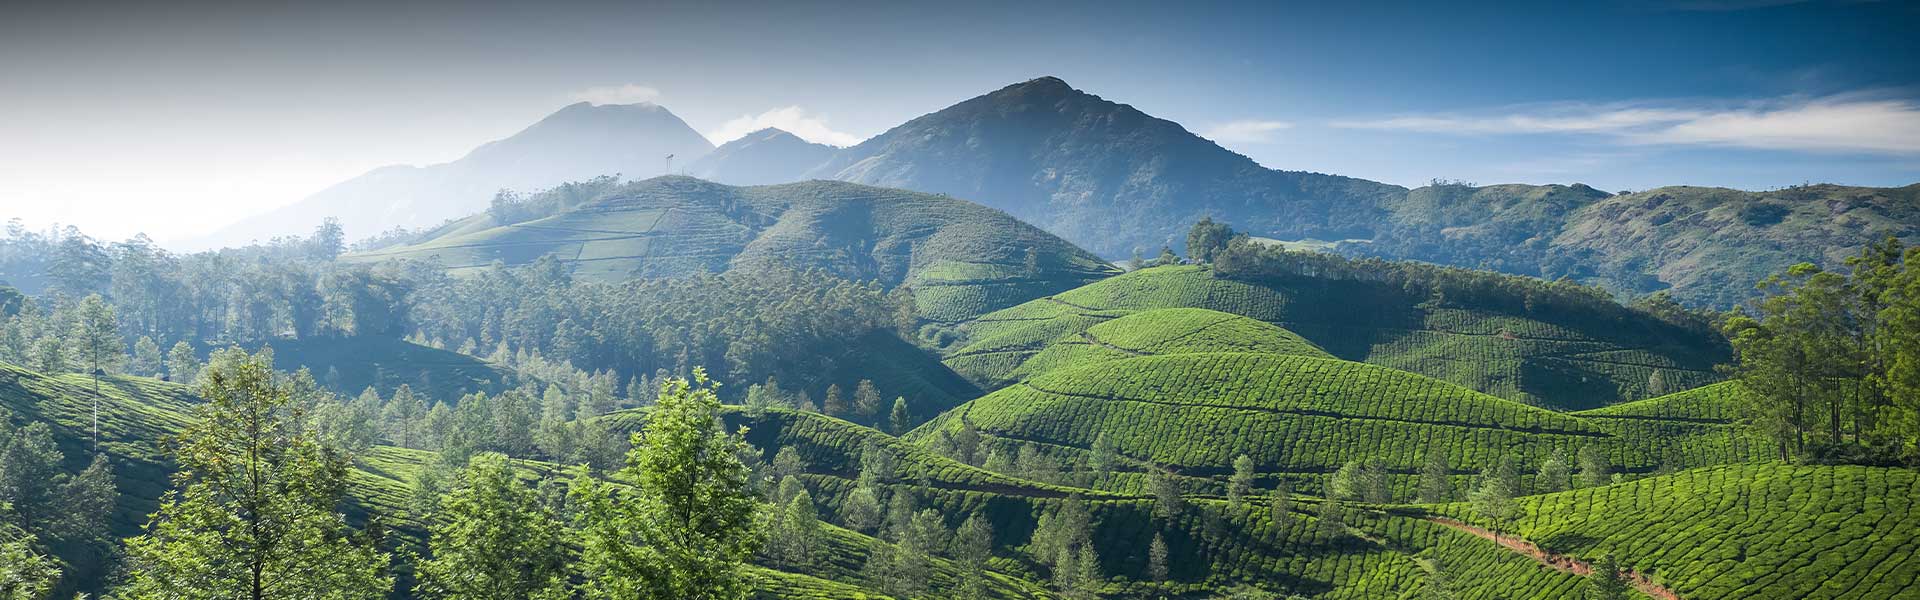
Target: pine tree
[
  {"x": 494, "y": 540},
  {"x": 1242, "y": 483},
  {"x": 1167, "y": 501},
  {"x": 1606, "y": 582},
  {"x": 402, "y": 416},
  {"x": 972, "y": 548},
  {"x": 1493, "y": 495},
  {"x": 866, "y": 403},
  {"x": 1436, "y": 485},
  {"x": 1281, "y": 506},
  {"x": 253, "y": 513},
  {"x": 900, "y": 419},
  {"x": 1332, "y": 519},
  {"x": 835, "y": 405},
  {"x": 1157, "y": 558},
  {"x": 692, "y": 521}
]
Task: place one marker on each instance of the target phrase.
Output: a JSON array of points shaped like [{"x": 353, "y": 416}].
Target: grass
[{"x": 1558, "y": 365}]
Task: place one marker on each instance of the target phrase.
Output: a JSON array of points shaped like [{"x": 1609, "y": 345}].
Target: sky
[{"x": 175, "y": 118}]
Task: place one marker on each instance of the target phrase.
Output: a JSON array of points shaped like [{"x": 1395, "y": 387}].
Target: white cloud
[
  {"x": 1250, "y": 131},
  {"x": 626, "y": 93},
  {"x": 1836, "y": 123},
  {"x": 791, "y": 119}
]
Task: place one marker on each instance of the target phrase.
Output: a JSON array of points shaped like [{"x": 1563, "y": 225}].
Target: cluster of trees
[
  {"x": 1240, "y": 257},
  {"x": 47, "y": 515},
  {"x": 866, "y": 407},
  {"x": 884, "y": 506},
  {"x": 254, "y": 513},
  {"x": 1831, "y": 361}
]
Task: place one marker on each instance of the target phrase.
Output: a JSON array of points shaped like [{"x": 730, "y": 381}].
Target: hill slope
[
  {"x": 1303, "y": 417},
  {"x": 578, "y": 142},
  {"x": 961, "y": 258},
  {"x": 351, "y": 364},
  {"x": 1101, "y": 174},
  {"x": 1561, "y": 361}
]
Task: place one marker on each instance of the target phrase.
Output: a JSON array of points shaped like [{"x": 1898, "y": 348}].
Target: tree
[
  {"x": 253, "y": 513},
  {"x": 899, "y": 418},
  {"x": 1242, "y": 483},
  {"x": 1157, "y": 558},
  {"x": 494, "y": 540},
  {"x": 972, "y": 548},
  {"x": 966, "y": 442},
  {"x": 1594, "y": 470},
  {"x": 861, "y": 511},
  {"x": 1345, "y": 483},
  {"x": 1373, "y": 483},
  {"x": 786, "y": 464},
  {"x": 1493, "y": 497},
  {"x": 24, "y": 574},
  {"x": 693, "y": 521},
  {"x": 1436, "y": 485},
  {"x": 1167, "y": 501},
  {"x": 1606, "y": 582},
  {"x": 147, "y": 360},
  {"x": 796, "y": 530},
  {"x": 1554, "y": 474},
  {"x": 328, "y": 241},
  {"x": 1207, "y": 238},
  {"x": 835, "y": 405},
  {"x": 866, "y": 403},
  {"x": 182, "y": 364},
  {"x": 1281, "y": 503},
  {"x": 1332, "y": 522},
  {"x": 402, "y": 416},
  {"x": 39, "y": 498},
  {"x": 1440, "y": 584}
]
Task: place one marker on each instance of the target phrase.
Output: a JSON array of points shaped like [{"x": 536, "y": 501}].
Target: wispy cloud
[
  {"x": 1849, "y": 123},
  {"x": 626, "y": 93},
  {"x": 1250, "y": 131},
  {"x": 791, "y": 119}
]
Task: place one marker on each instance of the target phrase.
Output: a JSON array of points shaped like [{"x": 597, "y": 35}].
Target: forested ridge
[{"x": 1243, "y": 422}]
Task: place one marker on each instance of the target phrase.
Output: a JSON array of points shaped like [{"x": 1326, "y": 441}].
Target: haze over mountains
[
  {"x": 1114, "y": 180},
  {"x": 579, "y": 142}
]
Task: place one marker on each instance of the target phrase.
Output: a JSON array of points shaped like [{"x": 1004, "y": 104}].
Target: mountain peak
[{"x": 1048, "y": 86}]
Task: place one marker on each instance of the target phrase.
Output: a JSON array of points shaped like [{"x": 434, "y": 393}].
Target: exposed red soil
[{"x": 1557, "y": 562}]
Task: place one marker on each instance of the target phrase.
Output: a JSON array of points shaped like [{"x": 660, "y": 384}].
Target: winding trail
[{"x": 1557, "y": 562}]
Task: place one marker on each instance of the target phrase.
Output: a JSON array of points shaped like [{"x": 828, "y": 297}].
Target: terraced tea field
[{"x": 1560, "y": 366}]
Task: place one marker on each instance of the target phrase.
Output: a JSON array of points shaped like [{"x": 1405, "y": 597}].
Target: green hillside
[
  {"x": 1544, "y": 360},
  {"x": 351, "y": 364},
  {"x": 961, "y": 258},
  {"x": 1304, "y": 417},
  {"x": 1745, "y": 531}
]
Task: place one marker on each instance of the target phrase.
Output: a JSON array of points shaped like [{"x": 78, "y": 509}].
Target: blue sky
[{"x": 175, "y": 119}]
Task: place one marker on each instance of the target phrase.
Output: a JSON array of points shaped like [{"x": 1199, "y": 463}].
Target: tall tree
[
  {"x": 253, "y": 513},
  {"x": 494, "y": 540},
  {"x": 1242, "y": 483},
  {"x": 688, "y": 528},
  {"x": 1554, "y": 473},
  {"x": 1435, "y": 483},
  {"x": 835, "y": 404},
  {"x": 1157, "y": 558},
  {"x": 972, "y": 549},
  {"x": 1594, "y": 470},
  {"x": 1167, "y": 500},
  {"x": 147, "y": 360},
  {"x": 24, "y": 574},
  {"x": 1493, "y": 496},
  {"x": 1606, "y": 582},
  {"x": 899, "y": 420},
  {"x": 182, "y": 364},
  {"x": 866, "y": 403}
]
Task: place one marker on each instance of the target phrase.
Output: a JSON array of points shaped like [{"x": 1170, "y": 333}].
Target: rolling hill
[
  {"x": 1552, "y": 360},
  {"x": 578, "y": 142},
  {"x": 351, "y": 364},
  {"x": 1302, "y": 417},
  {"x": 960, "y": 258}
]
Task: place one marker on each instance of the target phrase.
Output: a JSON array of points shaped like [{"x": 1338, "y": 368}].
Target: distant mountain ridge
[
  {"x": 961, "y": 258},
  {"x": 580, "y": 141},
  {"x": 763, "y": 157},
  {"x": 1115, "y": 180},
  {"x": 1102, "y": 174}
]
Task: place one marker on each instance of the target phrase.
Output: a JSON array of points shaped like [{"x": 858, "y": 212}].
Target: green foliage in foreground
[
  {"x": 1566, "y": 359},
  {"x": 253, "y": 514},
  {"x": 1744, "y": 531}
]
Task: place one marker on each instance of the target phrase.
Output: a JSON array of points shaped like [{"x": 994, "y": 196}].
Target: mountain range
[{"x": 1116, "y": 181}]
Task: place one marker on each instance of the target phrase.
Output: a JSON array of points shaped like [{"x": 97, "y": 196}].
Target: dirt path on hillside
[{"x": 1557, "y": 562}]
